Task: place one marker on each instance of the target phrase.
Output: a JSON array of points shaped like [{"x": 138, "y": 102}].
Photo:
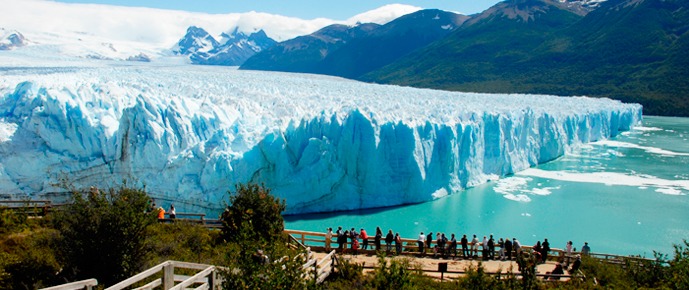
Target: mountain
[
  {"x": 631, "y": 50},
  {"x": 234, "y": 49},
  {"x": 306, "y": 53},
  {"x": 12, "y": 39},
  {"x": 359, "y": 49},
  {"x": 483, "y": 48}
]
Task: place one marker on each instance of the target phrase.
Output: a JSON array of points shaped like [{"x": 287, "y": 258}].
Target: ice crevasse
[{"x": 189, "y": 134}]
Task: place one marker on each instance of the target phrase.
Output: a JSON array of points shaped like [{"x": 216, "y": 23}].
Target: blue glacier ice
[{"x": 189, "y": 134}]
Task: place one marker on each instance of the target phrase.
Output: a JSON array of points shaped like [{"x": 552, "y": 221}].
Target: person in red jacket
[{"x": 364, "y": 238}]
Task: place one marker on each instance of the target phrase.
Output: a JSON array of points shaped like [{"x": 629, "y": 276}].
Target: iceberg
[{"x": 190, "y": 133}]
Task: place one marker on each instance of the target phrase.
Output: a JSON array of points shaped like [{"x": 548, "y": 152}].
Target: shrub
[
  {"x": 104, "y": 234},
  {"x": 29, "y": 261},
  {"x": 253, "y": 214},
  {"x": 394, "y": 274}
]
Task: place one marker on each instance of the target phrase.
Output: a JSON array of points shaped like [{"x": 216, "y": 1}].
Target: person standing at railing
[
  {"x": 474, "y": 246},
  {"x": 465, "y": 246},
  {"x": 545, "y": 250},
  {"x": 328, "y": 238},
  {"x": 429, "y": 240},
  {"x": 586, "y": 250},
  {"x": 161, "y": 214},
  {"x": 421, "y": 241},
  {"x": 501, "y": 252},
  {"x": 173, "y": 214},
  {"x": 389, "y": 238},
  {"x": 508, "y": 249},
  {"x": 398, "y": 243},
  {"x": 491, "y": 248},
  {"x": 341, "y": 240},
  {"x": 377, "y": 238},
  {"x": 453, "y": 247},
  {"x": 364, "y": 238}
]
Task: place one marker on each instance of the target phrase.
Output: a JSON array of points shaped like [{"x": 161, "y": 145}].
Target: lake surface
[{"x": 627, "y": 195}]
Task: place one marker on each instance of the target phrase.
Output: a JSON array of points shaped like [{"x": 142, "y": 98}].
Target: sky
[{"x": 305, "y": 9}]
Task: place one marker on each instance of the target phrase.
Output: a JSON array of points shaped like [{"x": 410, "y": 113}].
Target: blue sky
[{"x": 304, "y": 9}]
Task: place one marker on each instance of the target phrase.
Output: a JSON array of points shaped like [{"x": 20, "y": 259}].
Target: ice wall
[{"x": 189, "y": 134}]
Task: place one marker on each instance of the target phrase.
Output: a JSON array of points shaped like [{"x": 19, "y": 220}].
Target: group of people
[
  {"x": 160, "y": 211},
  {"x": 444, "y": 246},
  {"x": 342, "y": 236}
]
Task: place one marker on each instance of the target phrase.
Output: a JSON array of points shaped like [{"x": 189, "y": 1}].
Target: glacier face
[{"x": 190, "y": 133}]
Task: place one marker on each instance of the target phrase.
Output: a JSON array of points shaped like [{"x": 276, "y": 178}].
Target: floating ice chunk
[{"x": 654, "y": 150}]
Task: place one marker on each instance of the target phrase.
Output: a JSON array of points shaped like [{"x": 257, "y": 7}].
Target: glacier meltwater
[{"x": 190, "y": 133}]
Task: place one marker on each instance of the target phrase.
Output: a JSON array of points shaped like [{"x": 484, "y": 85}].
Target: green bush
[
  {"x": 11, "y": 221},
  {"x": 253, "y": 214},
  {"x": 29, "y": 260},
  {"x": 395, "y": 273},
  {"x": 104, "y": 234}
]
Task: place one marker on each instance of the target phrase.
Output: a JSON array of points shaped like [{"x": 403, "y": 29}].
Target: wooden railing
[
  {"x": 79, "y": 285},
  {"x": 320, "y": 269},
  {"x": 206, "y": 278},
  {"x": 316, "y": 240}
]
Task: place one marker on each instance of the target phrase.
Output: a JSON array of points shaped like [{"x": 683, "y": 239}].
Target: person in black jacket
[
  {"x": 388, "y": 240},
  {"x": 377, "y": 238},
  {"x": 508, "y": 249},
  {"x": 465, "y": 246}
]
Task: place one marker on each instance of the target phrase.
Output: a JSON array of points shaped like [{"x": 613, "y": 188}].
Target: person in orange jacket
[{"x": 161, "y": 213}]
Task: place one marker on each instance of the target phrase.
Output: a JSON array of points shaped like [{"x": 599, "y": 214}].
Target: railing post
[{"x": 168, "y": 276}]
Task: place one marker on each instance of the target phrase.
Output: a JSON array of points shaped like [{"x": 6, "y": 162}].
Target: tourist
[
  {"x": 339, "y": 231},
  {"x": 491, "y": 248},
  {"x": 345, "y": 236},
  {"x": 341, "y": 240},
  {"x": 398, "y": 243},
  {"x": 501, "y": 245},
  {"x": 355, "y": 247},
  {"x": 474, "y": 246},
  {"x": 484, "y": 248},
  {"x": 364, "y": 238},
  {"x": 377, "y": 238},
  {"x": 328, "y": 238},
  {"x": 508, "y": 249},
  {"x": 389, "y": 238},
  {"x": 438, "y": 245},
  {"x": 545, "y": 250},
  {"x": 586, "y": 250},
  {"x": 575, "y": 265},
  {"x": 261, "y": 258},
  {"x": 161, "y": 214},
  {"x": 465, "y": 246},
  {"x": 421, "y": 241},
  {"x": 353, "y": 235},
  {"x": 557, "y": 271},
  {"x": 536, "y": 249},
  {"x": 453, "y": 247},
  {"x": 173, "y": 214},
  {"x": 429, "y": 240},
  {"x": 568, "y": 251},
  {"x": 517, "y": 246}
]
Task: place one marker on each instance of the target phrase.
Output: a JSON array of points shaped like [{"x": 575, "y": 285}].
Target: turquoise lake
[{"x": 628, "y": 195}]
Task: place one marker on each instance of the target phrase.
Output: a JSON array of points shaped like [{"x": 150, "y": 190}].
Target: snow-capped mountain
[
  {"x": 233, "y": 49},
  {"x": 11, "y": 40},
  {"x": 588, "y": 4}
]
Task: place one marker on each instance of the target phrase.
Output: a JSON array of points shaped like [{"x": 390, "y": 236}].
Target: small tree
[
  {"x": 104, "y": 234},
  {"x": 253, "y": 224},
  {"x": 253, "y": 214}
]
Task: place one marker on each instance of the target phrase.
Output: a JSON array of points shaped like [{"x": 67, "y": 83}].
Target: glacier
[{"x": 190, "y": 133}]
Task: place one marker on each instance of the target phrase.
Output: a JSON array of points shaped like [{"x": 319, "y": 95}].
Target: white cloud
[
  {"x": 383, "y": 14},
  {"x": 116, "y": 31}
]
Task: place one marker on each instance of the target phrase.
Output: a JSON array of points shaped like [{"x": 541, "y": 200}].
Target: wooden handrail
[{"x": 83, "y": 284}]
